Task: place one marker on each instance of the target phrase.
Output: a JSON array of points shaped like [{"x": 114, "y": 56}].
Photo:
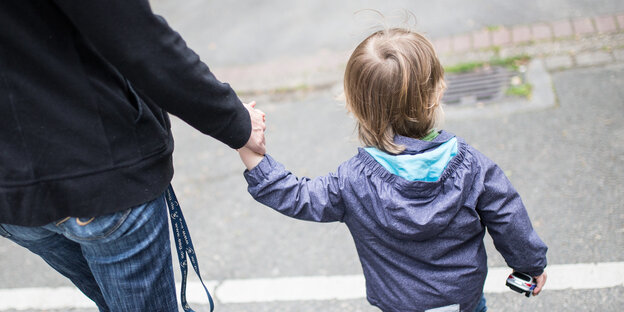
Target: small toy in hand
[{"x": 522, "y": 283}]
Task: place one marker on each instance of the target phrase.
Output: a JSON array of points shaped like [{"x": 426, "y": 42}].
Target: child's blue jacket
[{"x": 420, "y": 243}]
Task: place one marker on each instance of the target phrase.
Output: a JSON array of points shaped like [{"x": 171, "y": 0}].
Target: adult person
[{"x": 85, "y": 140}]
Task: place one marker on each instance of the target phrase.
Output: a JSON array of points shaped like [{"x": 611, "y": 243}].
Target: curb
[
  {"x": 500, "y": 36},
  {"x": 585, "y": 41}
]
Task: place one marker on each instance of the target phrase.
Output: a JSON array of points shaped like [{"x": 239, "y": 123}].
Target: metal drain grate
[{"x": 484, "y": 85}]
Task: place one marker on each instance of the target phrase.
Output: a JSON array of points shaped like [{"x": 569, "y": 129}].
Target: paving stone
[
  {"x": 442, "y": 45},
  {"x": 461, "y": 43},
  {"x": 583, "y": 26},
  {"x": 481, "y": 39},
  {"x": 501, "y": 36},
  {"x": 620, "y": 20},
  {"x": 541, "y": 31},
  {"x": 605, "y": 24},
  {"x": 521, "y": 34},
  {"x": 593, "y": 58},
  {"x": 558, "y": 62},
  {"x": 562, "y": 28}
]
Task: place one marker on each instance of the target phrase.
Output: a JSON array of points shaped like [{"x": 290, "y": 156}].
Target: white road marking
[
  {"x": 292, "y": 289},
  {"x": 560, "y": 277},
  {"x": 566, "y": 276},
  {"x": 43, "y": 298}
]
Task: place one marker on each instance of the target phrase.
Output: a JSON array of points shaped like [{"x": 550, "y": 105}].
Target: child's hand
[
  {"x": 252, "y": 155},
  {"x": 540, "y": 280},
  {"x": 256, "y": 140},
  {"x": 250, "y": 158}
]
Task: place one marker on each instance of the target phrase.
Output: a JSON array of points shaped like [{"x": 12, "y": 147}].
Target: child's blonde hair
[{"x": 393, "y": 84}]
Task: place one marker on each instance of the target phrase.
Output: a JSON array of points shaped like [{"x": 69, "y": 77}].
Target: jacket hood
[{"x": 416, "y": 200}]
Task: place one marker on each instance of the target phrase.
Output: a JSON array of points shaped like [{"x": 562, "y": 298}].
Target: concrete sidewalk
[{"x": 562, "y": 44}]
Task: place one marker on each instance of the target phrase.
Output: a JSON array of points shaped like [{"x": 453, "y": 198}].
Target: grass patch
[
  {"x": 523, "y": 90},
  {"x": 463, "y": 67},
  {"x": 299, "y": 87},
  {"x": 512, "y": 63}
]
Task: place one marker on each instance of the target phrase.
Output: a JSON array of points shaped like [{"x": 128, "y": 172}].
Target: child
[{"x": 417, "y": 201}]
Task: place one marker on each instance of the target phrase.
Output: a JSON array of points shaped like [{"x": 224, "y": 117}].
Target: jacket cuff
[
  {"x": 261, "y": 171},
  {"x": 535, "y": 273},
  {"x": 238, "y": 136}
]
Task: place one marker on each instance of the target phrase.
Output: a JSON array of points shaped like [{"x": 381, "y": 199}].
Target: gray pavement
[
  {"x": 566, "y": 160},
  {"x": 246, "y": 32}
]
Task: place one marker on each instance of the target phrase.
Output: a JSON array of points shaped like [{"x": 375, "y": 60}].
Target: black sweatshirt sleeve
[{"x": 157, "y": 61}]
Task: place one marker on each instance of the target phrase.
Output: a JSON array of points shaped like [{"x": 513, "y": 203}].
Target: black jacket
[{"x": 84, "y": 91}]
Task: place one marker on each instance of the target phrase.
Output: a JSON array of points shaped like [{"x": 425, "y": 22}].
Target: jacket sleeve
[
  {"x": 159, "y": 64},
  {"x": 316, "y": 199},
  {"x": 507, "y": 221}
]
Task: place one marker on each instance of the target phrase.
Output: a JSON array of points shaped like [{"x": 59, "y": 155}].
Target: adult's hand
[
  {"x": 256, "y": 141},
  {"x": 541, "y": 280}
]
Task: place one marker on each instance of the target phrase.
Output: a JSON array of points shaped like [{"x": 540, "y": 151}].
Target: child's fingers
[
  {"x": 251, "y": 104},
  {"x": 262, "y": 113},
  {"x": 541, "y": 280}
]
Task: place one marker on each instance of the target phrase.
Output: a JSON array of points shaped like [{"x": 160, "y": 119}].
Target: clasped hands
[{"x": 256, "y": 140}]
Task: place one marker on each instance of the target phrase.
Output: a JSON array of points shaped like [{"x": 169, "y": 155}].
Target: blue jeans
[
  {"x": 481, "y": 306},
  {"x": 121, "y": 261}
]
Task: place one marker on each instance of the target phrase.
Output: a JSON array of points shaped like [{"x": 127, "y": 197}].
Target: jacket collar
[{"x": 415, "y": 146}]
